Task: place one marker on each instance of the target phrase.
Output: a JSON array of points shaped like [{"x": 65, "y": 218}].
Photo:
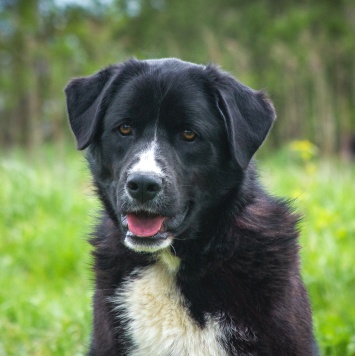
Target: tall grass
[
  {"x": 47, "y": 209},
  {"x": 45, "y": 283}
]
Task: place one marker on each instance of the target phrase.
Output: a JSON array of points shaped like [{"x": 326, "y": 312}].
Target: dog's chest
[{"x": 157, "y": 321}]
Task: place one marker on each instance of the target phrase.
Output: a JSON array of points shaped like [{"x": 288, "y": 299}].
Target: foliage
[
  {"x": 301, "y": 52},
  {"x": 303, "y": 149},
  {"x": 47, "y": 208},
  {"x": 45, "y": 293}
]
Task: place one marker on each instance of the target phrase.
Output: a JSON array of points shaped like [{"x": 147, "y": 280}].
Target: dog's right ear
[{"x": 85, "y": 103}]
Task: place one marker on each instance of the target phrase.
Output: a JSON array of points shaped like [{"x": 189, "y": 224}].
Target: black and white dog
[{"x": 192, "y": 256}]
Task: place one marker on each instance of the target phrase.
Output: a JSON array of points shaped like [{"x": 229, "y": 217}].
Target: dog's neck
[{"x": 169, "y": 260}]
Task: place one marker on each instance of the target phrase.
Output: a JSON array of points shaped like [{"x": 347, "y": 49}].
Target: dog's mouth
[
  {"x": 149, "y": 232},
  {"x": 144, "y": 224}
]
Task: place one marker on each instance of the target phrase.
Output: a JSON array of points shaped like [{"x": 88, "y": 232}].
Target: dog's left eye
[
  {"x": 125, "y": 130},
  {"x": 188, "y": 135}
]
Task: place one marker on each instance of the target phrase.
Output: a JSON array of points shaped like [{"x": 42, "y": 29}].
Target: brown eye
[
  {"x": 125, "y": 130},
  {"x": 188, "y": 135}
]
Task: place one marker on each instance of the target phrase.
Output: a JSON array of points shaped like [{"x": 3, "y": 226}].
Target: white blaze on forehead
[{"x": 147, "y": 160}]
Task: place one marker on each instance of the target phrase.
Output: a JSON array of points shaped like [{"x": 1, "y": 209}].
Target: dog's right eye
[
  {"x": 188, "y": 135},
  {"x": 125, "y": 130}
]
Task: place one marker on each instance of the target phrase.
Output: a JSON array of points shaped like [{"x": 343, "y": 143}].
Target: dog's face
[{"x": 168, "y": 141}]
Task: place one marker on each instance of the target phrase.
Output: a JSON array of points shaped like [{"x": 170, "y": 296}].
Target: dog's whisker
[
  {"x": 186, "y": 239},
  {"x": 173, "y": 248}
]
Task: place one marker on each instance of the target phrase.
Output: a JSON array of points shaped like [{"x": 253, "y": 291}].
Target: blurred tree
[
  {"x": 21, "y": 52},
  {"x": 302, "y": 53}
]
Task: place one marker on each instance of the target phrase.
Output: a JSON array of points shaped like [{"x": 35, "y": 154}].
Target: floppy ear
[
  {"x": 248, "y": 116},
  {"x": 85, "y": 103}
]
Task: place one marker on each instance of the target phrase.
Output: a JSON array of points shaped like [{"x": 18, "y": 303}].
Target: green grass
[
  {"x": 47, "y": 209},
  {"x": 45, "y": 292}
]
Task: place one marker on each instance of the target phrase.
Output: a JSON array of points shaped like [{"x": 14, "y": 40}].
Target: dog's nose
[{"x": 143, "y": 187}]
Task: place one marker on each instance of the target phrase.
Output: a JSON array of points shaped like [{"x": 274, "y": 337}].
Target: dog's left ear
[{"x": 248, "y": 115}]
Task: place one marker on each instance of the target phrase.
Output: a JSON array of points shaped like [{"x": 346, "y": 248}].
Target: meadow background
[{"x": 302, "y": 54}]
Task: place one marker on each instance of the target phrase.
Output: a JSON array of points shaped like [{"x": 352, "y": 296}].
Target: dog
[{"x": 192, "y": 257}]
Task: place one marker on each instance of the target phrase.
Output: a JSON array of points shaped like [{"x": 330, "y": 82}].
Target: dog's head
[{"x": 168, "y": 141}]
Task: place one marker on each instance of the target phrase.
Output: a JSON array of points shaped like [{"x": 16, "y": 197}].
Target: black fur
[{"x": 238, "y": 245}]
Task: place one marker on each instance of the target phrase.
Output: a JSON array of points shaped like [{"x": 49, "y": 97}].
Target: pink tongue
[{"x": 144, "y": 226}]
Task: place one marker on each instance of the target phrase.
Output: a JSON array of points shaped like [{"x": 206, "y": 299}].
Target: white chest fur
[{"x": 157, "y": 320}]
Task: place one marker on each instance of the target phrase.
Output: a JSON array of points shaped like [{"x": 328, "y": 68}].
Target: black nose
[{"x": 143, "y": 187}]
